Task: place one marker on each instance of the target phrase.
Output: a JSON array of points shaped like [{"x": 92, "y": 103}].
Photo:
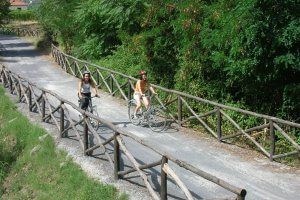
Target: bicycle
[
  {"x": 92, "y": 109},
  {"x": 155, "y": 116}
]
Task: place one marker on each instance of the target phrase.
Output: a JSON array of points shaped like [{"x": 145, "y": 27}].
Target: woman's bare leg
[
  {"x": 146, "y": 102},
  {"x": 138, "y": 103}
]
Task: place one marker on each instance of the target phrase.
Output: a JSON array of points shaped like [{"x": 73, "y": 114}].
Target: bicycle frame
[
  {"x": 92, "y": 109},
  {"x": 90, "y": 106},
  {"x": 146, "y": 116}
]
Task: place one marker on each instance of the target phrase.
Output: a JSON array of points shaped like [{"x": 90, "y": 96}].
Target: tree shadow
[
  {"x": 22, "y": 53},
  {"x": 16, "y": 45},
  {"x": 7, "y": 61}
]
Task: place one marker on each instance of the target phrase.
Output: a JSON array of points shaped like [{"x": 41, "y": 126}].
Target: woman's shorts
[
  {"x": 137, "y": 96},
  {"x": 85, "y": 101}
]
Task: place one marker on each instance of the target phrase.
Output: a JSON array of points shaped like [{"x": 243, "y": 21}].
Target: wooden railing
[
  {"x": 181, "y": 111},
  {"x": 21, "y": 31},
  {"x": 38, "y": 100}
]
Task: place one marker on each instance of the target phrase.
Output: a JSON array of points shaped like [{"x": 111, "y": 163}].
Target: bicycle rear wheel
[
  {"x": 95, "y": 123},
  {"x": 131, "y": 108},
  {"x": 157, "y": 119}
]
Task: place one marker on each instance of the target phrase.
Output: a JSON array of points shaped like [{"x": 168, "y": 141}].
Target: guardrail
[
  {"x": 21, "y": 31},
  {"x": 37, "y": 99},
  {"x": 115, "y": 82}
]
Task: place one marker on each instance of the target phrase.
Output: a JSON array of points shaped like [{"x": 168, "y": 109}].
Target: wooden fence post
[
  {"x": 75, "y": 69},
  {"x": 30, "y": 100},
  {"x": 43, "y": 106},
  {"x": 219, "y": 124},
  {"x": 85, "y": 136},
  {"x": 112, "y": 85},
  {"x": 116, "y": 157},
  {"x": 4, "y": 78},
  {"x": 10, "y": 85},
  {"x": 62, "y": 119},
  {"x": 179, "y": 108},
  {"x": 20, "y": 91},
  {"x": 163, "y": 180},
  {"x": 129, "y": 90},
  {"x": 242, "y": 195},
  {"x": 272, "y": 139},
  {"x": 97, "y": 78}
]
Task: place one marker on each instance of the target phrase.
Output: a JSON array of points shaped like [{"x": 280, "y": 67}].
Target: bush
[
  {"x": 22, "y": 15},
  {"x": 4, "y": 11}
]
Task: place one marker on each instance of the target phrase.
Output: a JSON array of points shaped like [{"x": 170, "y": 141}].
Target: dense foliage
[
  {"x": 4, "y": 11},
  {"x": 241, "y": 52}
]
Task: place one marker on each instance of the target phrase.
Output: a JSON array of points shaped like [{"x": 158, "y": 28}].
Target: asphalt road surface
[{"x": 261, "y": 179}]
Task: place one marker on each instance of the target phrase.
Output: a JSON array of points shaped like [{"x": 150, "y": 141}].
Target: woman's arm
[
  {"x": 79, "y": 89},
  {"x": 151, "y": 89},
  {"x": 95, "y": 89}
]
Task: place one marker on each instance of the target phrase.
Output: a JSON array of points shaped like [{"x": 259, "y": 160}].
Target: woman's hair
[
  {"x": 141, "y": 73},
  {"x": 91, "y": 82},
  {"x": 141, "y": 78}
]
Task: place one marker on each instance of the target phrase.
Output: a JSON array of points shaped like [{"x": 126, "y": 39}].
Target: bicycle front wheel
[
  {"x": 131, "y": 109},
  {"x": 157, "y": 120},
  {"x": 95, "y": 123}
]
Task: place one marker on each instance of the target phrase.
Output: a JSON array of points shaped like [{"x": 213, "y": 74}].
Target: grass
[
  {"x": 23, "y": 24},
  {"x": 44, "y": 174}
]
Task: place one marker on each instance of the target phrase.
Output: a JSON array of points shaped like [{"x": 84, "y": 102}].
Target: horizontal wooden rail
[
  {"x": 200, "y": 116},
  {"x": 247, "y": 131},
  {"x": 151, "y": 165}
]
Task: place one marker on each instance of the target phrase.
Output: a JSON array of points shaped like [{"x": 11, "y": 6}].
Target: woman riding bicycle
[
  {"x": 84, "y": 90},
  {"x": 139, "y": 94}
]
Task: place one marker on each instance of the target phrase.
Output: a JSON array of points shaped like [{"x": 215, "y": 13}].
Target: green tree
[
  {"x": 4, "y": 11},
  {"x": 57, "y": 17},
  {"x": 102, "y": 22}
]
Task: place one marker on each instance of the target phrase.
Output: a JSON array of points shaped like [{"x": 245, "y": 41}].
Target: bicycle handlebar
[
  {"x": 89, "y": 97},
  {"x": 92, "y": 97}
]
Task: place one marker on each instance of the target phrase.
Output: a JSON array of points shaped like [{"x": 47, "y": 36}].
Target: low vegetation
[
  {"x": 22, "y": 15},
  {"x": 31, "y": 168}
]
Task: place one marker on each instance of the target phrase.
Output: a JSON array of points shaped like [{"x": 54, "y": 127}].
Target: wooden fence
[
  {"x": 37, "y": 99},
  {"x": 21, "y": 31},
  {"x": 182, "y": 111}
]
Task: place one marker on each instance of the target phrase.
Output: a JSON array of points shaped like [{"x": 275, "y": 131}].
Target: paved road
[{"x": 261, "y": 179}]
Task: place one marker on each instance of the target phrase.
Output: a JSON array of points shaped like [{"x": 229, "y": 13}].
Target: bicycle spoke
[
  {"x": 131, "y": 108},
  {"x": 157, "y": 120}
]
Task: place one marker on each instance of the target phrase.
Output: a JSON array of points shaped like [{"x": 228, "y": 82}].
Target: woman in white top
[{"x": 84, "y": 90}]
